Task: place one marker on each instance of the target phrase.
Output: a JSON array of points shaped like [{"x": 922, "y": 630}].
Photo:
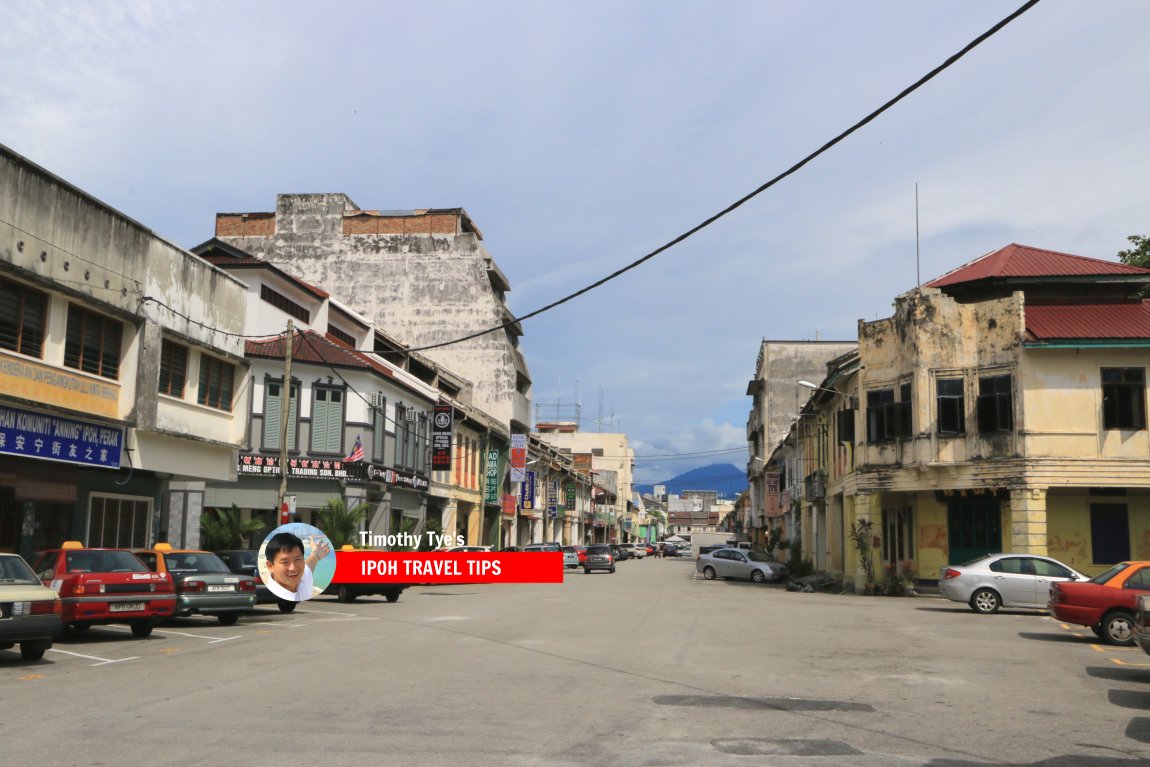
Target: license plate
[
  {"x": 229, "y": 587},
  {"x": 126, "y": 607}
]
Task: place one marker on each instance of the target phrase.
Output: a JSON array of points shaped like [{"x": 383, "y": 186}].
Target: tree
[
  {"x": 222, "y": 529},
  {"x": 1139, "y": 255},
  {"x": 341, "y": 524}
]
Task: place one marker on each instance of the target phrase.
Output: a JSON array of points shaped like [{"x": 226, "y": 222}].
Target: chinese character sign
[
  {"x": 50, "y": 437},
  {"x": 441, "y": 438},
  {"x": 491, "y": 478}
]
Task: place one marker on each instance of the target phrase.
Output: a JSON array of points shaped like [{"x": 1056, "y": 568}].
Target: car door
[
  {"x": 1015, "y": 579},
  {"x": 740, "y": 566},
  {"x": 1047, "y": 571},
  {"x": 722, "y": 561}
]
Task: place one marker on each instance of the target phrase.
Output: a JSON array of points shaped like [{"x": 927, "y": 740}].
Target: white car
[{"x": 639, "y": 549}]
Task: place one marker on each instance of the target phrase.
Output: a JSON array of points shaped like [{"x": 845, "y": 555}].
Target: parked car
[
  {"x": 632, "y": 551},
  {"x": 509, "y": 549},
  {"x": 1142, "y": 622},
  {"x": 204, "y": 583},
  {"x": 471, "y": 549},
  {"x": 29, "y": 611},
  {"x": 650, "y": 549},
  {"x": 247, "y": 562},
  {"x": 1004, "y": 580},
  {"x": 555, "y": 547},
  {"x": 599, "y": 557},
  {"x": 619, "y": 552},
  {"x": 730, "y": 562},
  {"x": 670, "y": 550},
  {"x": 100, "y": 586},
  {"x": 580, "y": 553},
  {"x": 1105, "y": 603}
]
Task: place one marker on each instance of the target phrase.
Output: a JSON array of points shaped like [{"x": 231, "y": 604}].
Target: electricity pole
[{"x": 285, "y": 407}]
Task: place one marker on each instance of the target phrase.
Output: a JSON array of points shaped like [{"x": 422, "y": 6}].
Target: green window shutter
[{"x": 272, "y": 415}]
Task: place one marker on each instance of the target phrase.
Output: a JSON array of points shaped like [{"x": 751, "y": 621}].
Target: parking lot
[{"x": 650, "y": 665}]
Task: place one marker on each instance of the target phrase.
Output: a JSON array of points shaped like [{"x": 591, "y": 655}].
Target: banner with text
[{"x": 439, "y": 567}]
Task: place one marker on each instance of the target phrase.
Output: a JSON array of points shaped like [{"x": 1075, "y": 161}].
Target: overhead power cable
[{"x": 742, "y": 200}]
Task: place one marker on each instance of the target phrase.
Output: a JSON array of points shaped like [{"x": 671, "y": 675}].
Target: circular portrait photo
[{"x": 296, "y": 562}]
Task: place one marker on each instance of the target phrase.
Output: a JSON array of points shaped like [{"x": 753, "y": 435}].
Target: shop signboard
[{"x": 55, "y": 438}]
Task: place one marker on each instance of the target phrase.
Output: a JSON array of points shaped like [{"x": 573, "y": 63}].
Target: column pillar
[{"x": 1028, "y": 521}]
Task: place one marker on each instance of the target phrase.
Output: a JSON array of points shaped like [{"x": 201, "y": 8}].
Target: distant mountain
[{"x": 725, "y": 478}]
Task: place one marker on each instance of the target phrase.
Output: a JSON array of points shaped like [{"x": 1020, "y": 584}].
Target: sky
[{"x": 581, "y": 136}]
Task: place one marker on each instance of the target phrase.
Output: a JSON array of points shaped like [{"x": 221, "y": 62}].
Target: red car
[
  {"x": 1105, "y": 603},
  {"x": 98, "y": 586}
]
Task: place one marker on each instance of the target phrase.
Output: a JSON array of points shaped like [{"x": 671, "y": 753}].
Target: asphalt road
[{"x": 650, "y": 666}]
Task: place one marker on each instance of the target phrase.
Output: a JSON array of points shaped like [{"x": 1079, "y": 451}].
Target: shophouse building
[{"x": 123, "y": 383}]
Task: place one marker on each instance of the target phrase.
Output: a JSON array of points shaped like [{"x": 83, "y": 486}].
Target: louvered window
[
  {"x": 92, "y": 343},
  {"x": 217, "y": 379},
  {"x": 173, "y": 368},
  {"x": 379, "y": 427},
  {"x": 327, "y": 420},
  {"x": 273, "y": 410},
  {"x": 22, "y": 318}
]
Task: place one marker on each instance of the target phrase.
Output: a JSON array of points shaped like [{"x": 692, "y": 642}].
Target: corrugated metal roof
[
  {"x": 1088, "y": 321},
  {"x": 1024, "y": 261}
]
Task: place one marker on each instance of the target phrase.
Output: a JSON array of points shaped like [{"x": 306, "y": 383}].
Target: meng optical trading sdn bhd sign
[{"x": 441, "y": 438}]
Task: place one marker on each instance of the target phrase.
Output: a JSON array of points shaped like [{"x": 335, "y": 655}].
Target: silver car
[
  {"x": 733, "y": 563},
  {"x": 1004, "y": 580}
]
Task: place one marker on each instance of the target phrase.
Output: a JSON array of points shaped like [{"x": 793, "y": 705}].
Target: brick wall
[
  {"x": 370, "y": 223},
  {"x": 245, "y": 224}
]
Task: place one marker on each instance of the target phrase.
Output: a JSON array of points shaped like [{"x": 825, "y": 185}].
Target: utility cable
[{"x": 741, "y": 201}]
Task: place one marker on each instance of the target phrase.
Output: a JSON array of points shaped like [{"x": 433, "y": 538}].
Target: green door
[{"x": 974, "y": 528}]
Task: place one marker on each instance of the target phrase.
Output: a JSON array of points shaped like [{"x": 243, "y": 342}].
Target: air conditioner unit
[
  {"x": 411, "y": 414},
  {"x": 378, "y": 401}
]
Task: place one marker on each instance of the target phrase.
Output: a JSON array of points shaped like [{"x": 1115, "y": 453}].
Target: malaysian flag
[{"x": 356, "y": 452}]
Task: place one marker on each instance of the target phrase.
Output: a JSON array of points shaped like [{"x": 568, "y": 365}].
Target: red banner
[{"x": 441, "y": 567}]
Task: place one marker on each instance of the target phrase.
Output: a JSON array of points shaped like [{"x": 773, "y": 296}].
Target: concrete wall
[
  {"x": 424, "y": 284},
  {"x": 782, "y": 364}
]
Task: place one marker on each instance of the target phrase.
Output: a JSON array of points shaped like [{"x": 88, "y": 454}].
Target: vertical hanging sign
[
  {"x": 491, "y": 478},
  {"x": 441, "y": 438},
  {"x": 518, "y": 457}
]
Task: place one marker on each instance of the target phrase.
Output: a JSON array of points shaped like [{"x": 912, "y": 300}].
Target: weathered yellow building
[{"x": 1001, "y": 408}]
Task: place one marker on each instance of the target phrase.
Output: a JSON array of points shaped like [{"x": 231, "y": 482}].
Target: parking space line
[
  {"x": 103, "y": 661},
  {"x": 198, "y": 636},
  {"x": 225, "y": 639},
  {"x": 1135, "y": 665}
]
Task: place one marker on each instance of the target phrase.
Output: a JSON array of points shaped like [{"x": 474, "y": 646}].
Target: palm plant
[
  {"x": 222, "y": 529},
  {"x": 341, "y": 524}
]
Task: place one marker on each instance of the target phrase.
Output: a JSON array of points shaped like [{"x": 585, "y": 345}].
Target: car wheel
[
  {"x": 142, "y": 629},
  {"x": 612, "y": 569},
  {"x": 32, "y": 650},
  {"x": 586, "y": 570},
  {"x": 709, "y": 573},
  {"x": 1098, "y": 631},
  {"x": 1118, "y": 628},
  {"x": 286, "y": 606},
  {"x": 985, "y": 601},
  {"x": 758, "y": 577},
  {"x": 228, "y": 619},
  {"x": 391, "y": 596},
  {"x": 345, "y": 594}
]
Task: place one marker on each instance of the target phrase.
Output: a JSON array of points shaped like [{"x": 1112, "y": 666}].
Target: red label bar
[{"x": 440, "y": 567}]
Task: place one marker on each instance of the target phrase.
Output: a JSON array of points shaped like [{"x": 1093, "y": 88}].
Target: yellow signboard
[{"x": 49, "y": 385}]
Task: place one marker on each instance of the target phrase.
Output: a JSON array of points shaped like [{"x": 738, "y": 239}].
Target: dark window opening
[
  {"x": 1123, "y": 398},
  {"x": 340, "y": 336},
  {"x": 878, "y": 429},
  {"x": 216, "y": 381},
  {"x": 951, "y": 406},
  {"x": 995, "y": 404},
  {"x": 280, "y": 301},
  {"x": 1109, "y": 533},
  {"x": 173, "y": 368}
]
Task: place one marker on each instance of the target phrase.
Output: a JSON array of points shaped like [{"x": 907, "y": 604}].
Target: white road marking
[{"x": 103, "y": 661}]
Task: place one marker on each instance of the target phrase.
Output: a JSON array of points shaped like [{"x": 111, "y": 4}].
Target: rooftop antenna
[{"x": 917, "y": 263}]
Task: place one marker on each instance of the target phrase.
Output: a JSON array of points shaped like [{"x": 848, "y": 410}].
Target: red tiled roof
[
  {"x": 1024, "y": 261},
  {"x": 1096, "y": 321},
  {"x": 309, "y": 346}
]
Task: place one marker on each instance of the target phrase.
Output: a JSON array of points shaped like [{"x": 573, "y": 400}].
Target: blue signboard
[{"x": 53, "y": 438}]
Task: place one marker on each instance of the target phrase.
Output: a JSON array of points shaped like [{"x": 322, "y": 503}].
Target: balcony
[{"x": 815, "y": 485}]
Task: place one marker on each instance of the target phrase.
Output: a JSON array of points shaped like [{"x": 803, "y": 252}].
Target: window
[
  {"x": 379, "y": 426},
  {"x": 119, "y": 523},
  {"x": 898, "y": 414},
  {"x": 22, "y": 318},
  {"x": 327, "y": 420},
  {"x": 339, "y": 335},
  {"x": 280, "y": 301},
  {"x": 1013, "y": 566},
  {"x": 92, "y": 343},
  {"x": 1123, "y": 398},
  {"x": 173, "y": 368},
  {"x": 1109, "y": 533},
  {"x": 273, "y": 413},
  {"x": 216, "y": 381},
  {"x": 846, "y": 425},
  {"x": 951, "y": 406},
  {"x": 877, "y": 428},
  {"x": 1139, "y": 580},
  {"x": 1047, "y": 569},
  {"x": 995, "y": 404},
  {"x": 420, "y": 444}
]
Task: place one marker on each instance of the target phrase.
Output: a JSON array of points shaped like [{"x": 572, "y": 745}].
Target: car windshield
[
  {"x": 243, "y": 558},
  {"x": 93, "y": 561},
  {"x": 1106, "y": 576},
  {"x": 598, "y": 549},
  {"x": 14, "y": 570},
  {"x": 195, "y": 562}
]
